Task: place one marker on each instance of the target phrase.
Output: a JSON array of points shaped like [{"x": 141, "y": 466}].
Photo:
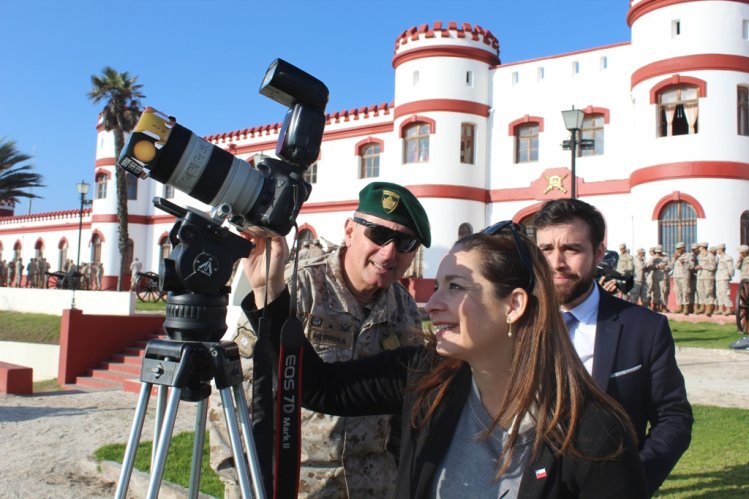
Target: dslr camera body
[
  {"x": 607, "y": 270},
  {"x": 264, "y": 199}
]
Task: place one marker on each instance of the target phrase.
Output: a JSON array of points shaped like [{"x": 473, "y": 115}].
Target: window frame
[
  {"x": 421, "y": 140},
  {"x": 532, "y": 139},
  {"x": 742, "y": 110},
  {"x": 100, "y": 185},
  {"x": 666, "y": 128},
  {"x": 369, "y": 159},
  {"x": 594, "y": 132},
  {"x": 468, "y": 143}
]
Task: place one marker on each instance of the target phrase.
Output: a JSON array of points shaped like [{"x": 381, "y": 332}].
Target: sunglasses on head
[
  {"x": 381, "y": 235},
  {"x": 515, "y": 229}
]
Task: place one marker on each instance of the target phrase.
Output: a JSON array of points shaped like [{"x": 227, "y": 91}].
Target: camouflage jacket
[{"x": 347, "y": 456}]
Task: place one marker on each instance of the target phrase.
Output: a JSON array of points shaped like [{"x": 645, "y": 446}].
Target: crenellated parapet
[{"x": 447, "y": 40}]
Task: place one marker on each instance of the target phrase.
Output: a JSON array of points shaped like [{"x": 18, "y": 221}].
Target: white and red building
[{"x": 479, "y": 141}]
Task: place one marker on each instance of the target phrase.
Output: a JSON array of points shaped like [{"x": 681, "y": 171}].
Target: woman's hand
[{"x": 255, "y": 267}]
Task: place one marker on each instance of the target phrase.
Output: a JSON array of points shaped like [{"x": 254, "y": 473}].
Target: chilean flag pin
[{"x": 540, "y": 473}]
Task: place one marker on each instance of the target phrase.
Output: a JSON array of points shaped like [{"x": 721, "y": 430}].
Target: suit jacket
[
  {"x": 378, "y": 384},
  {"x": 634, "y": 362}
]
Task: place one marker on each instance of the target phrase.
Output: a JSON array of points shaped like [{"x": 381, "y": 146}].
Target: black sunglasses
[
  {"x": 516, "y": 229},
  {"x": 381, "y": 235}
]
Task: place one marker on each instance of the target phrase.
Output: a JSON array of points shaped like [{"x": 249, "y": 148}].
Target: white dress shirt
[{"x": 583, "y": 331}]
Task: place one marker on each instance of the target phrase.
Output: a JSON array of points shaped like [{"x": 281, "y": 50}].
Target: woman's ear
[{"x": 516, "y": 304}]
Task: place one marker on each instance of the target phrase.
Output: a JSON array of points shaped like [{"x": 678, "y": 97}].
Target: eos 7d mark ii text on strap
[{"x": 289, "y": 401}]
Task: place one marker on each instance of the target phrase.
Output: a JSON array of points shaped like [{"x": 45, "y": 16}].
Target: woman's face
[{"x": 469, "y": 322}]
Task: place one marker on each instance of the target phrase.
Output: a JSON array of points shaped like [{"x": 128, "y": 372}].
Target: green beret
[{"x": 397, "y": 204}]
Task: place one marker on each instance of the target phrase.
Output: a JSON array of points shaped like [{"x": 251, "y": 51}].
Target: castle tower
[
  {"x": 442, "y": 111},
  {"x": 690, "y": 65}
]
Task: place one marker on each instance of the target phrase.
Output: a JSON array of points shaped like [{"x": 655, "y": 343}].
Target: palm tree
[
  {"x": 15, "y": 180},
  {"x": 119, "y": 116}
]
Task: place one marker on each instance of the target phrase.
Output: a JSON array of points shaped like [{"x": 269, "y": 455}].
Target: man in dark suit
[{"x": 628, "y": 349}]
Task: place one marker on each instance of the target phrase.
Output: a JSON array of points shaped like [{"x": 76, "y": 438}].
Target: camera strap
[{"x": 289, "y": 400}]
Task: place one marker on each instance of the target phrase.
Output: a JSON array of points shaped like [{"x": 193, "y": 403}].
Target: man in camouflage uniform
[
  {"x": 653, "y": 279},
  {"x": 639, "y": 288},
  {"x": 683, "y": 266},
  {"x": 723, "y": 274},
  {"x": 625, "y": 266},
  {"x": 705, "y": 270},
  {"x": 665, "y": 282},
  {"x": 742, "y": 262},
  {"x": 351, "y": 305}
]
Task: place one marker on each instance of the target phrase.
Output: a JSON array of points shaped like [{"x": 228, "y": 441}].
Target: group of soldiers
[
  {"x": 37, "y": 271},
  {"x": 11, "y": 273},
  {"x": 701, "y": 277}
]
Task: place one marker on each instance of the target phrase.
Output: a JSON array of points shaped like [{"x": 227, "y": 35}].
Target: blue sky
[{"x": 203, "y": 61}]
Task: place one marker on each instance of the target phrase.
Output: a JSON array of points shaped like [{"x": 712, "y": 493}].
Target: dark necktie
[{"x": 570, "y": 321}]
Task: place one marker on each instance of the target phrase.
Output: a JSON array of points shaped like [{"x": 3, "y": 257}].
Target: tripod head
[{"x": 195, "y": 273}]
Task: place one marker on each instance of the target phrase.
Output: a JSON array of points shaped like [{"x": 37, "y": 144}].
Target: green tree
[
  {"x": 120, "y": 93},
  {"x": 16, "y": 179}
]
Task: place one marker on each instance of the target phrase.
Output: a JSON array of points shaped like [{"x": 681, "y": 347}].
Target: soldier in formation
[
  {"x": 742, "y": 262},
  {"x": 625, "y": 266},
  {"x": 723, "y": 274},
  {"x": 705, "y": 274},
  {"x": 683, "y": 266}
]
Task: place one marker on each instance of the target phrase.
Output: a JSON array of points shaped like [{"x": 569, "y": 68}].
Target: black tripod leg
[
  {"x": 197, "y": 449},
  {"x": 132, "y": 441},
  {"x": 165, "y": 436}
]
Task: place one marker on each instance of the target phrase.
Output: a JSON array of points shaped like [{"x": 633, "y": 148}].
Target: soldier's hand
[{"x": 254, "y": 267}]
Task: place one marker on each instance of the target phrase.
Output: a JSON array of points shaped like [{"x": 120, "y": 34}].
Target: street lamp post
[
  {"x": 82, "y": 188},
  {"x": 573, "y": 121}
]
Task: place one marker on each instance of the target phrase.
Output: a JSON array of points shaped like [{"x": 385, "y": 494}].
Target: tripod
[
  {"x": 194, "y": 274},
  {"x": 188, "y": 367}
]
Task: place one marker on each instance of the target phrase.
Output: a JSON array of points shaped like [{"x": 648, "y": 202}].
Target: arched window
[
  {"x": 39, "y": 248},
  {"x": 96, "y": 248},
  {"x": 369, "y": 163},
  {"x": 677, "y": 222},
  {"x": 132, "y": 187},
  {"x": 744, "y": 228},
  {"x": 165, "y": 247},
  {"x": 100, "y": 188},
  {"x": 678, "y": 110},
  {"x": 467, "y": 143},
  {"x": 592, "y": 129},
  {"x": 465, "y": 229},
  {"x": 63, "y": 252},
  {"x": 742, "y": 113},
  {"x": 526, "y": 142},
  {"x": 416, "y": 143}
]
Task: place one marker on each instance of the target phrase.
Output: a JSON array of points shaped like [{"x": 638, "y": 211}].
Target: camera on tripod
[
  {"x": 607, "y": 270},
  {"x": 264, "y": 199}
]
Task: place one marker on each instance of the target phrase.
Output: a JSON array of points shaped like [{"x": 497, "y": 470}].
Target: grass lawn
[
  {"x": 716, "y": 465},
  {"x": 143, "y": 306},
  {"x": 30, "y": 328},
  {"x": 178, "y": 462},
  {"x": 704, "y": 334}
]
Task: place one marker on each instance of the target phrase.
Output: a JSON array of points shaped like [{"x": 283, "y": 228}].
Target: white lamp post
[{"x": 82, "y": 188}]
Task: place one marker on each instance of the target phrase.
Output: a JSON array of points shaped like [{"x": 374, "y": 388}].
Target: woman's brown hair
[{"x": 547, "y": 379}]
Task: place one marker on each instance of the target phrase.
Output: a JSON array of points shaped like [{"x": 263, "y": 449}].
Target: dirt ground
[{"x": 46, "y": 440}]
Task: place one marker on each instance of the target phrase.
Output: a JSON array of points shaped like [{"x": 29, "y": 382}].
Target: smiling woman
[{"x": 498, "y": 377}]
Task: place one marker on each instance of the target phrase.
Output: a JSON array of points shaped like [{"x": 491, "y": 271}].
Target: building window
[
  {"x": 678, "y": 111},
  {"x": 592, "y": 129},
  {"x": 742, "y": 114},
  {"x": 604, "y": 62},
  {"x": 310, "y": 175},
  {"x": 526, "y": 143},
  {"x": 745, "y": 29},
  {"x": 416, "y": 143},
  {"x": 677, "y": 222},
  {"x": 369, "y": 163},
  {"x": 675, "y": 28},
  {"x": 540, "y": 74},
  {"x": 469, "y": 78},
  {"x": 515, "y": 78},
  {"x": 100, "y": 191},
  {"x": 415, "y": 78},
  {"x": 464, "y": 230},
  {"x": 165, "y": 248},
  {"x": 575, "y": 67},
  {"x": 167, "y": 192},
  {"x": 467, "y": 143},
  {"x": 96, "y": 248},
  {"x": 132, "y": 188}
]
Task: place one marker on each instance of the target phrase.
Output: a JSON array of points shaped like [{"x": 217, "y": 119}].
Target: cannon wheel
[
  {"x": 742, "y": 306},
  {"x": 147, "y": 287},
  {"x": 53, "y": 281}
]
